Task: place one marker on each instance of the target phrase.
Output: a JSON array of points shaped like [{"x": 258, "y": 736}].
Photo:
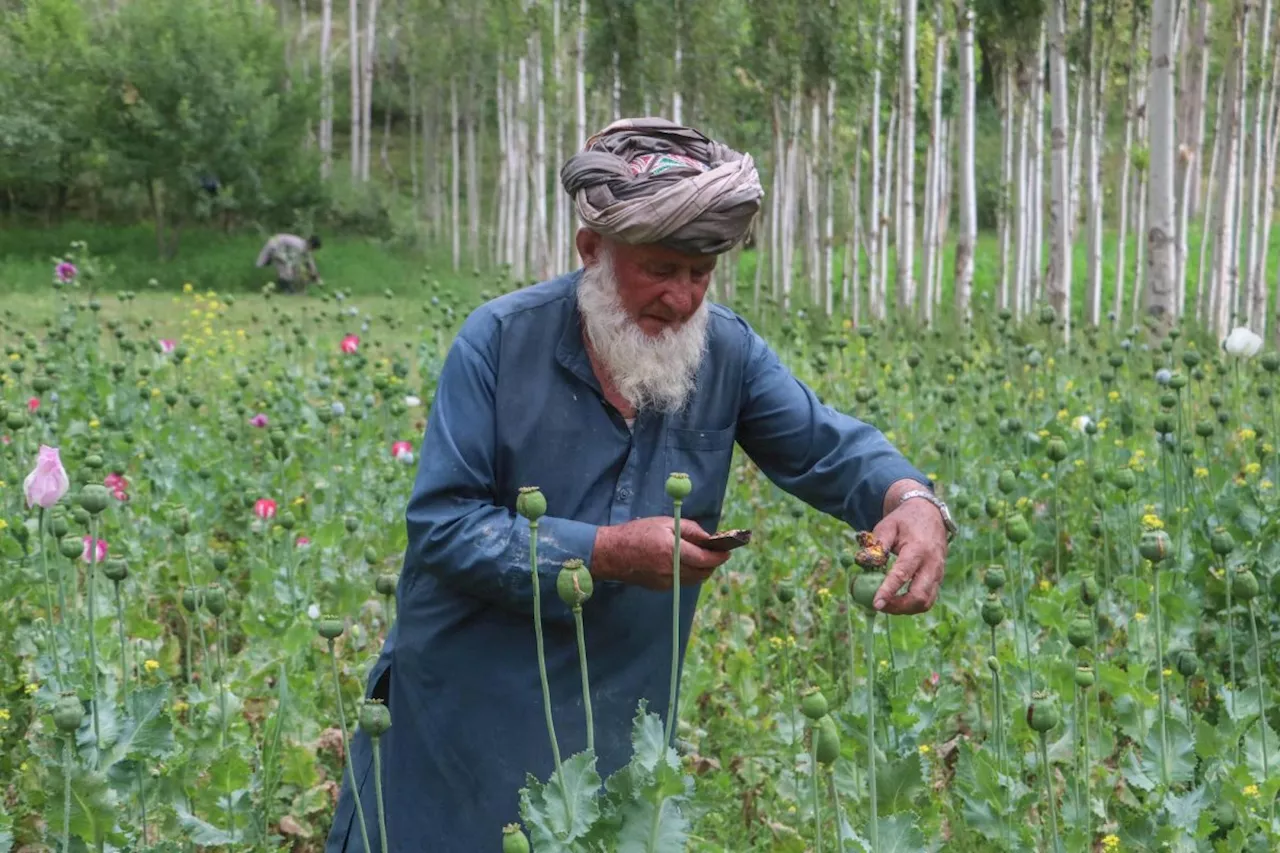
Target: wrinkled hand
[
  {"x": 639, "y": 552},
  {"x": 916, "y": 534}
]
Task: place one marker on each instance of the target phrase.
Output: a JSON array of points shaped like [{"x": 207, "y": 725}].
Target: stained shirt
[{"x": 517, "y": 404}]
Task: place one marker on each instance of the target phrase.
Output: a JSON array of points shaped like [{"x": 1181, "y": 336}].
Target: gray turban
[{"x": 648, "y": 180}]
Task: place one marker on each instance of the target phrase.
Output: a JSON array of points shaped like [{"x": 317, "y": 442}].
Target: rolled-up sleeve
[
  {"x": 459, "y": 530},
  {"x": 834, "y": 462}
]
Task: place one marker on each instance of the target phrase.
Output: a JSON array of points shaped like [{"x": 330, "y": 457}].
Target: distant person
[{"x": 293, "y": 259}]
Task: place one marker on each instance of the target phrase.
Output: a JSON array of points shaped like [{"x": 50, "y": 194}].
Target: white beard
[{"x": 658, "y": 372}]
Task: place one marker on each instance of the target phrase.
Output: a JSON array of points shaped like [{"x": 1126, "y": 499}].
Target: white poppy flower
[
  {"x": 1242, "y": 342},
  {"x": 412, "y": 401}
]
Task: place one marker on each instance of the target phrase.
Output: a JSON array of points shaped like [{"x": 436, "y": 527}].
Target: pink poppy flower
[
  {"x": 302, "y": 542},
  {"x": 118, "y": 486},
  {"x": 265, "y": 508},
  {"x": 33, "y": 404},
  {"x": 48, "y": 481},
  {"x": 400, "y": 448},
  {"x": 65, "y": 272},
  {"x": 350, "y": 344},
  {"x": 102, "y": 550},
  {"x": 258, "y": 420},
  {"x": 167, "y": 345}
]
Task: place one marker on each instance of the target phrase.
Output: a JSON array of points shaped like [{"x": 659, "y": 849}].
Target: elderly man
[{"x": 595, "y": 386}]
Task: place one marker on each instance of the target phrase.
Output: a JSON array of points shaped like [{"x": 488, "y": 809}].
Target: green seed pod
[
  {"x": 330, "y": 627},
  {"x": 1007, "y": 481},
  {"x": 1244, "y": 584},
  {"x": 828, "y": 743},
  {"x": 786, "y": 592},
  {"x": 370, "y": 554},
  {"x": 351, "y": 523},
  {"x": 679, "y": 486},
  {"x": 1155, "y": 545},
  {"x": 1190, "y": 358},
  {"x": 574, "y": 583},
  {"x": 94, "y": 498},
  {"x": 375, "y": 718},
  {"x": 514, "y": 840},
  {"x": 1056, "y": 449},
  {"x": 531, "y": 503},
  {"x": 1168, "y": 400},
  {"x": 68, "y": 711},
  {"x": 220, "y": 561},
  {"x": 180, "y": 522},
  {"x": 993, "y": 507},
  {"x": 1016, "y": 529},
  {"x": 993, "y": 664},
  {"x": 1080, "y": 631},
  {"x": 1221, "y": 542},
  {"x": 58, "y": 525},
  {"x": 385, "y": 584},
  {"x": 286, "y": 519},
  {"x": 992, "y": 610},
  {"x": 1204, "y": 429},
  {"x": 1186, "y": 662},
  {"x": 215, "y": 600},
  {"x": 71, "y": 546},
  {"x": 93, "y": 462},
  {"x": 1124, "y": 479},
  {"x": 813, "y": 704},
  {"x": 1163, "y": 423},
  {"x": 190, "y": 600},
  {"x": 864, "y": 588},
  {"x": 115, "y": 569},
  {"x": 1089, "y": 590},
  {"x": 994, "y": 578},
  {"x": 1225, "y": 816},
  {"x": 1084, "y": 675},
  {"x": 1042, "y": 713}
]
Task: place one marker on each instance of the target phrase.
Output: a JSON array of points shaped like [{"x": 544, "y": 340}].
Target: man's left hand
[{"x": 915, "y": 532}]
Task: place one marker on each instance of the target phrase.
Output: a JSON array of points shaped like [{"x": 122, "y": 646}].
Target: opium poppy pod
[
  {"x": 531, "y": 503},
  {"x": 1155, "y": 545},
  {"x": 1042, "y": 713}
]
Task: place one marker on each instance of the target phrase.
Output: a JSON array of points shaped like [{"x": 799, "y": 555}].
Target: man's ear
[{"x": 589, "y": 244}]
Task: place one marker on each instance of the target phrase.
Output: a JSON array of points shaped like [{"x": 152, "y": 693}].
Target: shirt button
[{"x": 624, "y": 494}]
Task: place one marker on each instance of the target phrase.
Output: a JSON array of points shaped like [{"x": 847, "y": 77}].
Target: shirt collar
[{"x": 571, "y": 352}]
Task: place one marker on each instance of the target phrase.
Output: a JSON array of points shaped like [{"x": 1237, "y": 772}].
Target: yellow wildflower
[
  {"x": 180, "y": 706},
  {"x": 1140, "y": 616},
  {"x": 1111, "y": 842},
  {"x": 239, "y": 333},
  {"x": 1070, "y": 385},
  {"x": 1007, "y": 385},
  {"x": 911, "y": 416},
  {"x": 1044, "y": 433},
  {"x": 1250, "y": 790},
  {"x": 22, "y": 767},
  {"x": 884, "y": 664},
  {"x": 1166, "y": 672},
  {"x": 1079, "y": 463},
  {"x": 846, "y": 325},
  {"x": 13, "y": 356},
  {"x": 924, "y": 749},
  {"x": 187, "y": 288},
  {"x": 4, "y": 713},
  {"x": 1062, "y": 414},
  {"x": 1246, "y": 434},
  {"x": 150, "y": 665},
  {"x": 1151, "y": 521},
  {"x": 31, "y": 688},
  {"x": 93, "y": 424},
  {"x": 791, "y": 641},
  {"x": 824, "y": 593},
  {"x": 156, "y": 392},
  {"x": 299, "y": 500},
  {"x": 1201, "y": 473},
  {"x": 889, "y": 436},
  {"x": 1045, "y": 586},
  {"x": 1265, "y": 484},
  {"x": 1113, "y": 396},
  {"x": 1044, "y": 476},
  {"x": 4, "y": 525},
  {"x": 776, "y": 642},
  {"x": 1252, "y": 468}
]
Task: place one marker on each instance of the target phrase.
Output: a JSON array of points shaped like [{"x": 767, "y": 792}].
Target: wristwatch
[{"x": 936, "y": 501}]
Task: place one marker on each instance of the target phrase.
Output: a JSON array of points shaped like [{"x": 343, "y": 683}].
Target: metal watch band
[{"x": 947, "y": 520}]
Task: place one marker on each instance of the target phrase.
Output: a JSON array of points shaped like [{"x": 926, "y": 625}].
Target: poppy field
[{"x": 201, "y": 530}]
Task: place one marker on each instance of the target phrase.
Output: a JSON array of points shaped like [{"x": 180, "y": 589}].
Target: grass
[{"x": 212, "y": 259}]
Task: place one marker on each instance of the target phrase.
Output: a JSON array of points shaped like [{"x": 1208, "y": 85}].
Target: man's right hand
[{"x": 639, "y": 552}]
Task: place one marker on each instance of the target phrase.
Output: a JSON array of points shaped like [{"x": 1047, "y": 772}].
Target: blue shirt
[{"x": 517, "y": 404}]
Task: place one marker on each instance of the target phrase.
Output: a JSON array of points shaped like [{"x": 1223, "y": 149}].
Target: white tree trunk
[
  {"x": 967, "y": 239},
  {"x": 1255, "y": 279},
  {"x": 873, "y": 244},
  {"x": 371, "y": 33},
  {"x": 1204, "y": 300},
  {"x": 1059, "y": 279},
  {"x": 886, "y": 211},
  {"x": 454, "y": 174},
  {"x": 1126, "y": 167},
  {"x": 326, "y": 88},
  {"x": 357, "y": 115},
  {"x": 907, "y": 162},
  {"x": 540, "y": 242},
  {"x": 1036, "y": 265},
  {"x": 1161, "y": 300},
  {"x": 1022, "y": 229},
  {"x": 677, "y": 105},
  {"x": 828, "y": 177},
  {"x": 1004, "y": 222},
  {"x": 1225, "y": 255},
  {"x": 934, "y": 166},
  {"x": 473, "y": 179}
]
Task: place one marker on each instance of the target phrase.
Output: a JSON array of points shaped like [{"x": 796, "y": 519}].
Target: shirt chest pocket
[{"x": 705, "y": 455}]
